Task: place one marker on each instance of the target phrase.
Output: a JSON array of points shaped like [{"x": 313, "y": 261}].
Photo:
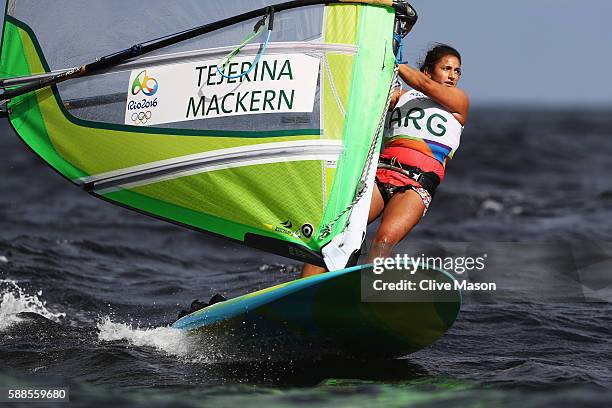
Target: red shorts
[{"x": 391, "y": 182}]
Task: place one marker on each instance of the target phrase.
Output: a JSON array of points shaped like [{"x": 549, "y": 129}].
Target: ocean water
[{"x": 532, "y": 189}]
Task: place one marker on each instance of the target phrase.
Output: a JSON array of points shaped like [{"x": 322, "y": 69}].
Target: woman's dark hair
[{"x": 435, "y": 54}]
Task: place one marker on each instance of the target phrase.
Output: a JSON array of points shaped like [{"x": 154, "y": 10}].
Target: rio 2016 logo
[{"x": 148, "y": 85}]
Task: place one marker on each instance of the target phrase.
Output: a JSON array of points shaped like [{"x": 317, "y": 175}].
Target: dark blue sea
[{"x": 530, "y": 188}]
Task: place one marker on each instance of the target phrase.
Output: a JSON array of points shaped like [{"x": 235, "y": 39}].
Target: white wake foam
[
  {"x": 15, "y": 300},
  {"x": 171, "y": 341}
]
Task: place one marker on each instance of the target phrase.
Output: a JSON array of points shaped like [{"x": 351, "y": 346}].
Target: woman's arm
[{"x": 452, "y": 98}]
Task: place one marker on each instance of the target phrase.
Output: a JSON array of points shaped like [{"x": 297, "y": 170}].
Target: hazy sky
[
  {"x": 516, "y": 52},
  {"x": 522, "y": 51}
]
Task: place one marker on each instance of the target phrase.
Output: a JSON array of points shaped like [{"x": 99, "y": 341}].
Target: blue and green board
[{"x": 325, "y": 313}]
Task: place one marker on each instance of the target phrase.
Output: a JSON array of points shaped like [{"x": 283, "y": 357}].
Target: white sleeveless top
[{"x": 420, "y": 123}]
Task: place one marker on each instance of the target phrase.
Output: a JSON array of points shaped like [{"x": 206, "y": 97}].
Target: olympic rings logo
[
  {"x": 148, "y": 85},
  {"x": 141, "y": 117}
]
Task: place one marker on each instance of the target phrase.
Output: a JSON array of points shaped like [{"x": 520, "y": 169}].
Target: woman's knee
[
  {"x": 386, "y": 238},
  {"x": 381, "y": 247}
]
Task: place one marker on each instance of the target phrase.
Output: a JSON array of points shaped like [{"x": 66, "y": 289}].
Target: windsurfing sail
[{"x": 273, "y": 147}]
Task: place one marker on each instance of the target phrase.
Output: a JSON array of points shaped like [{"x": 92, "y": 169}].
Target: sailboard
[
  {"x": 329, "y": 315},
  {"x": 269, "y": 142}
]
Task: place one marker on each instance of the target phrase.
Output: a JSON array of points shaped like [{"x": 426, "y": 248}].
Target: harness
[{"x": 429, "y": 180}]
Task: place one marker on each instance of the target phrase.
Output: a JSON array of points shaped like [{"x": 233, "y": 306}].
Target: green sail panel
[{"x": 272, "y": 180}]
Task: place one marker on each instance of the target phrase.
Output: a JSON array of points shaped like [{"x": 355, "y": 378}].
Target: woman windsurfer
[{"x": 423, "y": 131}]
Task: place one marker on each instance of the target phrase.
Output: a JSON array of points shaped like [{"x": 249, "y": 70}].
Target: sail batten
[{"x": 217, "y": 160}]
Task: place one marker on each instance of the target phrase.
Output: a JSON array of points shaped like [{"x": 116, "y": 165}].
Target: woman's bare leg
[
  {"x": 401, "y": 214},
  {"x": 377, "y": 205},
  {"x": 311, "y": 270}
]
